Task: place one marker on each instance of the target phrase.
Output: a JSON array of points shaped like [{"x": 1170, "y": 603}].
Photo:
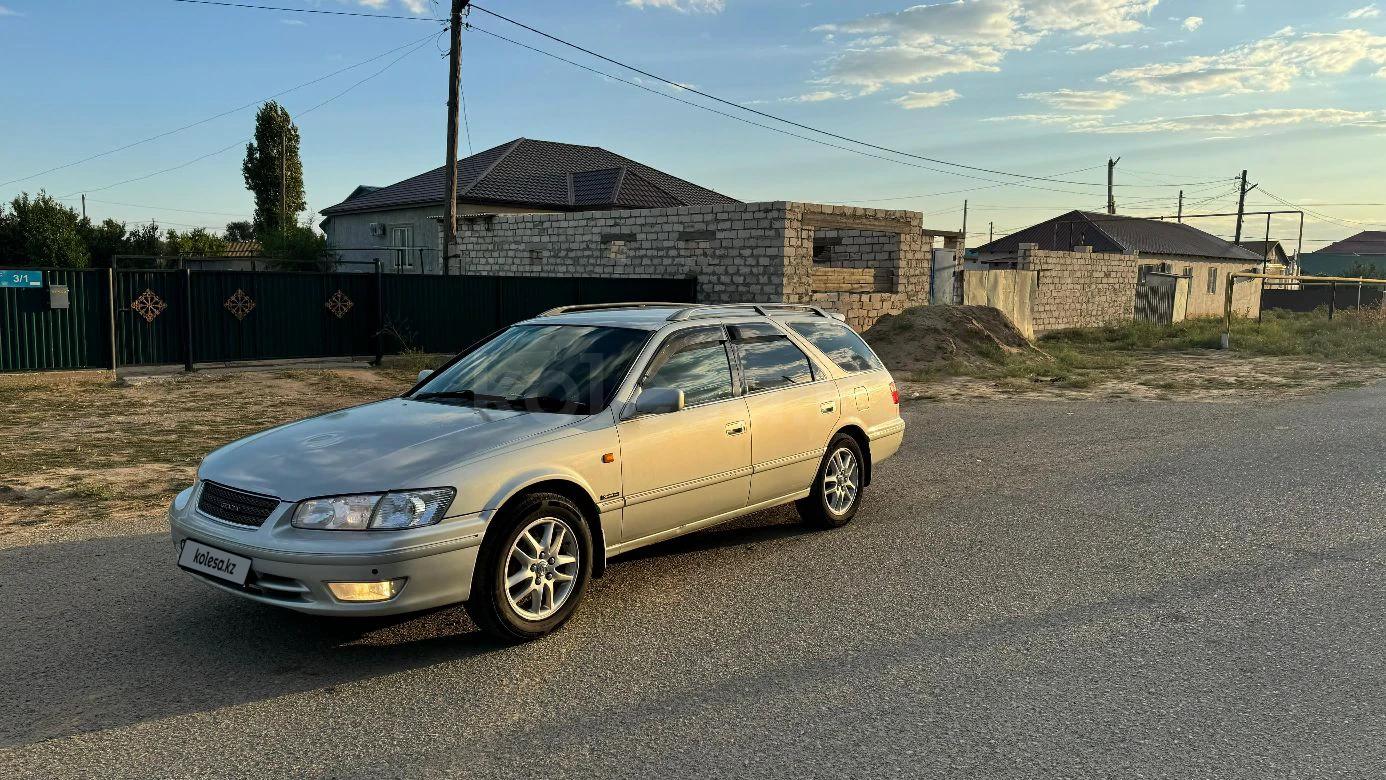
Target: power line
[
  {"x": 212, "y": 118},
  {"x": 418, "y": 45},
  {"x": 687, "y": 88},
  {"x": 790, "y": 122},
  {"x": 309, "y": 10},
  {"x": 772, "y": 128},
  {"x": 163, "y": 208}
]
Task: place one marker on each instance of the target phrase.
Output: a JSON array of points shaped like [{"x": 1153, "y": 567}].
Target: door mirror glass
[
  {"x": 424, "y": 374},
  {"x": 659, "y": 400}
]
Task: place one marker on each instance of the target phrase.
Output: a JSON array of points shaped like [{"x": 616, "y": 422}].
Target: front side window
[
  {"x": 569, "y": 369},
  {"x": 696, "y": 362},
  {"x": 768, "y": 358},
  {"x": 840, "y": 343}
]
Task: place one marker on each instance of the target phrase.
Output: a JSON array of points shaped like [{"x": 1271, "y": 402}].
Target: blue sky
[{"x": 1182, "y": 91}]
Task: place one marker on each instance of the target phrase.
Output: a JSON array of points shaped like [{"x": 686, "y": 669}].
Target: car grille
[{"x": 235, "y": 506}]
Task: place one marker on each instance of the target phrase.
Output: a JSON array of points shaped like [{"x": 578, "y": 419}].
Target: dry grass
[{"x": 86, "y": 449}]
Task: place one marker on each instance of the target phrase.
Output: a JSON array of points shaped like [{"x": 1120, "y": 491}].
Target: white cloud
[
  {"x": 1365, "y": 12},
  {"x": 1092, "y": 46},
  {"x": 1080, "y": 100},
  {"x": 817, "y": 96},
  {"x": 1272, "y": 64},
  {"x": 913, "y": 100},
  {"x": 923, "y": 42},
  {"x": 293, "y": 22},
  {"x": 1222, "y": 124},
  {"x": 1192, "y": 23},
  {"x": 682, "y": 6},
  {"x": 7, "y": 11}
]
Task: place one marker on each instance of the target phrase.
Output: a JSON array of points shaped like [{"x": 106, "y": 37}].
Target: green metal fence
[{"x": 192, "y": 316}]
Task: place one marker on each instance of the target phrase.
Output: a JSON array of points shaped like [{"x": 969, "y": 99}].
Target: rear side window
[
  {"x": 768, "y": 358},
  {"x": 840, "y": 343},
  {"x": 695, "y": 362}
]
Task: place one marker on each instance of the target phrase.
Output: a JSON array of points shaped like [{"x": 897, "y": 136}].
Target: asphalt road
[{"x": 1034, "y": 589}]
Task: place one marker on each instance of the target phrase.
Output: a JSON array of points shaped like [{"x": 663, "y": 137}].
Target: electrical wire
[
  {"x": 161, "y": 208},
  {"x": 693, "y": 90},
  {"x": 310, "y": 10},
  {"x": 419, "y": 45},
  {"x": 212, "y": 118}
]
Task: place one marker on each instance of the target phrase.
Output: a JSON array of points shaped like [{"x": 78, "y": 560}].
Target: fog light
[{"x": 383, "y": 590}]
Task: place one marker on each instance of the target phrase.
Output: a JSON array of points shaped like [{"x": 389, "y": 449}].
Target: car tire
[
  {"x": 510, "y": 567},
  {"x": 828, "y": 505}
]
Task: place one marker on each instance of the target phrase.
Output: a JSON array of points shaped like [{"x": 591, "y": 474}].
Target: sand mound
[{"x": 926, "y": 338}]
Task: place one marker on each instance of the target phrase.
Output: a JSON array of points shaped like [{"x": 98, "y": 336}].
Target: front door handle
[{"x": 736, "y": 427}]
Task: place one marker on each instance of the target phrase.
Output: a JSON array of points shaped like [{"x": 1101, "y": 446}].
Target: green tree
[
  {"x": 104, "y": 241},
  {"x": 240, "y": 230},
  {"x": 144, "y": 240},
  {"x": 42, "y": 231},
  {"x": 273, "y": 172},
  {"x": 300, "y": 245},
  {"x": 197, "y": 241}
]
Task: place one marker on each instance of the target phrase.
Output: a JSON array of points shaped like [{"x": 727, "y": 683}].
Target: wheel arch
[
  {"x": 863, "y": 441},
  {"x": 580, "y": 496}
]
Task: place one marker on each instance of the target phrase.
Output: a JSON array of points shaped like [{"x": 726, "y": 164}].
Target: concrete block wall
[
  {"x": 1081, "y": 289},
  {"x": 760, "y": 252}
]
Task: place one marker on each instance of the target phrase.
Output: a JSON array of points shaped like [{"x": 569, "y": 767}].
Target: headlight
[{"x": 405, "y": 509}]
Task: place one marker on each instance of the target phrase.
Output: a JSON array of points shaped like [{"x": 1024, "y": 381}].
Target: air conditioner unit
[{"x": 377, "y": 228}]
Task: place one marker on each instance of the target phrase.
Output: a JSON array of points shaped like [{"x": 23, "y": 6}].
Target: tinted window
[
  {"x": 695, "y": 363},
  {"x": 839, "y": 343},
  {"x": 768, "y": 358},
  {"x": 572, "y": 369}
]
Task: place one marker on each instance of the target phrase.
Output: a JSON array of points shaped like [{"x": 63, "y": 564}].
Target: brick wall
[
  {"x": 1080, "y": 289},
  {"x": 761, "y": 252}
]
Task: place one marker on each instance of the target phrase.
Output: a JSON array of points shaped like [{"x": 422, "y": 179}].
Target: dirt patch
[
  {"x": 83, "y": 449},
  {"x": 946, "y": 339},
  {"x": 1210, "y": 376}
]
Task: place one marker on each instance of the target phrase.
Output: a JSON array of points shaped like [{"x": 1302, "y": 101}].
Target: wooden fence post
[
  {"x": 111, "y": 315},
  {"x": 187, "y": 319}
]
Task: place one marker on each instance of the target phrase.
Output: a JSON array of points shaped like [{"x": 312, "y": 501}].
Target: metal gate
[{"x": 184, "y": 316}]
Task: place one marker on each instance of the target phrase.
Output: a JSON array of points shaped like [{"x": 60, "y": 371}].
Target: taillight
[{"x": 894, "y": 394}]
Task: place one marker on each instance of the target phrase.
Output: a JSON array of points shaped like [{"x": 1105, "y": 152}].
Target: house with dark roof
[
  {"x": 1108, "y": 257},
  {"x": 1367, "y": 248},
  {"x": 399, "y": 224}
]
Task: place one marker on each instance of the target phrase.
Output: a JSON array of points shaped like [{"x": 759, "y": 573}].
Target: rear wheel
[
  {"x": 532, "y": 568},
  {"x": 837, "y": 488}
]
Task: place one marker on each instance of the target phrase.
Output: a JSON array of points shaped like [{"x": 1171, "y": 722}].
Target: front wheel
[
  {"x": 532, "y": 568},
  {"x": 837, "y": 488}
]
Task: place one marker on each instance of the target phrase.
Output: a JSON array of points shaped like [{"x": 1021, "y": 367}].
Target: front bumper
[{"x": 437, "y": 565}]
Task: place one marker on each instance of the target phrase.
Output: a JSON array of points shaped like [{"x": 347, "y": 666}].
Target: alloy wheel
[
  {"x": 542, "y": 568},
  {"x": 840, "y": 481}
]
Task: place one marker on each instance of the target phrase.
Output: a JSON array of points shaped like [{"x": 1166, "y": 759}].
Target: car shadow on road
[{"x": 109, "y": 632}]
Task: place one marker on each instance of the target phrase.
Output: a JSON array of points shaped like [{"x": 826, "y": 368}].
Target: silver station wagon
[{"x": 512, "y": 474}]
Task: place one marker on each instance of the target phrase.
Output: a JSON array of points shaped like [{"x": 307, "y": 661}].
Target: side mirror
[
  {"x": 424, "y": 374},
  {"x": 659, "y": 400}
]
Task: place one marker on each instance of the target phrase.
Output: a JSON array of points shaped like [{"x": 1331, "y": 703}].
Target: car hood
[{"x": 388, "y": 445}]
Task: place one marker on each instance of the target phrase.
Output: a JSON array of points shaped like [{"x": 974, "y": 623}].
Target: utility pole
[
  {"x": 991, "y": 232},
  {"x": 84, "y": 205},
  {"x": 283, "y": 180},
  {"x": 964, "y": 228},
  {"x": 454, "y": 89},
  {"x": 1241, "y": 206},
  {"x": 1181, "y": 205},
  {"x": 1111, "y": 176}
]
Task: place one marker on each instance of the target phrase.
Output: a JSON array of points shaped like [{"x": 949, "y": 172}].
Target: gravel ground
[{"x": 1061, "y": 589}]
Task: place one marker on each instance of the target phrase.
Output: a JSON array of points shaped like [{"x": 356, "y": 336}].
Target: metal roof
[
  {"x": 541, "y": 174},
  {"x": 1120, "y": 234},
  {"x": 1368, "y": 242}
]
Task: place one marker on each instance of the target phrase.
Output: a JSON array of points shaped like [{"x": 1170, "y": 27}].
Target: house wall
[
  {"x": 1246, "y": 294},
  {"x": 1080, "y": 289},
  {"x": 350, "y": 234},
  {"x": 755, "y": 252}
]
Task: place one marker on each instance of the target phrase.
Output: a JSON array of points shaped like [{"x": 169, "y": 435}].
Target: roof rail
[
  {"x": 764, "y": 309},
  {"x": 604, "y": 306}
]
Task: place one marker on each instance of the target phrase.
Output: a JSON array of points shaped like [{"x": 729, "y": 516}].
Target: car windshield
[{"x": 569, "y": 369}]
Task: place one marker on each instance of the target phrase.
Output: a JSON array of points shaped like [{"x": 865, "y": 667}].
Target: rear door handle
[
  {"x": 827, "y": 407},
  {"x": 736, "y": 427}
]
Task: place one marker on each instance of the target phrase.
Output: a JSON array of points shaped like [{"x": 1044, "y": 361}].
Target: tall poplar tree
[{"x": 273, "y": 172}]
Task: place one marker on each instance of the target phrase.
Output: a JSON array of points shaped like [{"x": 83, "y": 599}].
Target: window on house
[
  {"x": 1212, "y": 280},
  {"x": 401, "y": 239}
]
